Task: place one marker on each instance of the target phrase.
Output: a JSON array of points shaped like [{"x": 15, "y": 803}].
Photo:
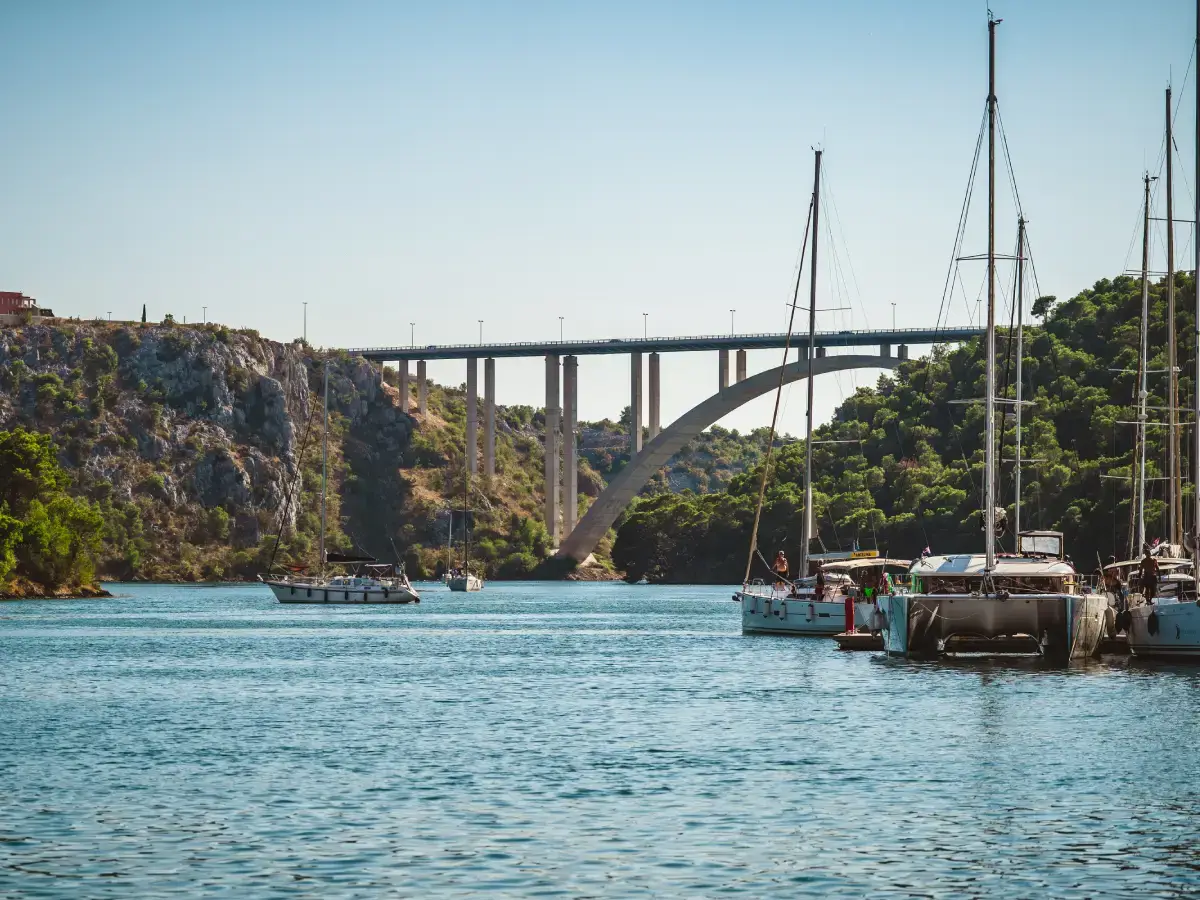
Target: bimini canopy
[
  {"x": 972, "y": 565},
  {"x": 857, "y": 565},
  {"x": 348, "y": 558}
]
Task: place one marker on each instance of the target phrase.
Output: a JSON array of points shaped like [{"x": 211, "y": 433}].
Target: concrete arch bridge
[{"x": 657, "y": 452}]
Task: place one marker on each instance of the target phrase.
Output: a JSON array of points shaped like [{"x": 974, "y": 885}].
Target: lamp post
[
  {"x": 110, "y": 315},
  {"x": 204, "y": 309},
  {"x": 645, "y": 327},
  {"x": 893, "y": 315},
  {"x": 560, "y": 329},
  {"x": 480, "y": 321},
  {"x": 305, "y": 333},
  {"x": 732, "y": 331},
  {"x": 412, "y": 334}
]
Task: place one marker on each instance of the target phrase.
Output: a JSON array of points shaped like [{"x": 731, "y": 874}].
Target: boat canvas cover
[{"x": 972, "y": 564}]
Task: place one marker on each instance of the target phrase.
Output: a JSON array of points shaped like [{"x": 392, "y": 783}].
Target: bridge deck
[{"x": 860, "y": 338}]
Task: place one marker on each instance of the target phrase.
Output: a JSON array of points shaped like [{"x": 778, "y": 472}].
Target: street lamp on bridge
[
  {"x": 732, "y": 330},
  {"x": 480, "y": 321},
  {"x": 412, "y": 334},
  {"x": 560, "y": 329},
  {"x": 645, "y": 327}
]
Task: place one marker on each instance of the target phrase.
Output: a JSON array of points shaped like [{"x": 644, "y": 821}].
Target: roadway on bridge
[{"x": 610, "y": 346}]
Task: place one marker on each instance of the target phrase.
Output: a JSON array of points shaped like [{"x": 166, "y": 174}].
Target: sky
[{"x": 437, "y": 164}]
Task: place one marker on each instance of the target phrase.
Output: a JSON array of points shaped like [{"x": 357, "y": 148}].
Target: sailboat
[
  {"x": 1030, "y": 600},
  {"x": 1167, "y": 624},
  {"x": 367, "y": 580},
  {"x": 824, "y": 599},
  {"x": 461, "y": 578}
]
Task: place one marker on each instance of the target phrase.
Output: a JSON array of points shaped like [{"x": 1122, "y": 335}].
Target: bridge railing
[{"x": 682, "y": 339}]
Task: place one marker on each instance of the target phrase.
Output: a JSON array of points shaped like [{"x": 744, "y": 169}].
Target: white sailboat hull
[
  {"x": 1165, "y": 630},
  {"x": 798, "y": 617},
  {"x": 463, "y": 583},
  {"x": 318, "y": 594}
]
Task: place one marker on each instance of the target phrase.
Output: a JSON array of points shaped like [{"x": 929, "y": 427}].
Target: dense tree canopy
[
  {"x": 910, "y": 472},
  {"x": 46, "y": 535}
]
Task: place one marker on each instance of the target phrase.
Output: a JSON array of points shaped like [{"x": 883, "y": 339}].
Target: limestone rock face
[{"x": 220, "y": 480}]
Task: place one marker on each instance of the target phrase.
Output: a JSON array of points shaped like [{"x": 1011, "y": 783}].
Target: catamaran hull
[
  {"x": 1165, "y": 631},
  {"x": 299, "y": 593},
  {"x": 798, "y": 617},
  {"x": 1064, "y": 625}
]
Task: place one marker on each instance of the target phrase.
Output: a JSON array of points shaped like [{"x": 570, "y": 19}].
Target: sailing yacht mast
[
  {"x": 1175, "y": 509},
  {"x": 989, "y": 461},
  {"x": 1196, "y": 380},
  {"x": 812, "y": 328},
  {"x": 324, "y": 468},
  {"x": 1139, "y": 496},
  {"x": 1020, "y": 300}
]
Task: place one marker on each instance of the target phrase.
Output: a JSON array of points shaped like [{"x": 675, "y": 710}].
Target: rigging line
[
  {"x": 787, "y": 345},
  {"x": 1012, "y": 175},
  {"x": 849, "y": 258},
  {"x": 947, "y": 288}
]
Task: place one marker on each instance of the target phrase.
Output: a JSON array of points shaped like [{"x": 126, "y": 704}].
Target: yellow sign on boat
[{"x": 864, "y": 554}]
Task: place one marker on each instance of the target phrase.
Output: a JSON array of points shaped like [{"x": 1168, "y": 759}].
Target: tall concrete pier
[
  {"x": 654, "y": 399},
  {"x": 722, "y": 369},
  {"x": 570, "y": 377},
  {"x": 635, "y": 404},
  {"x": 402, "y": 372},
  {"x": 489, "y": 417},
  {"x": 472, "y": 416},
  {"x": 553, "y": 416},
  {"x": 422, "y": 387},
  {"x": 741, "y": 365}
]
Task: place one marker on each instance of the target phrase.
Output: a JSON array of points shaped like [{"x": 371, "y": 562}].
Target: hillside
[
  {"x": 186, "y": 442},
  {"x": 910, "y": 474}
]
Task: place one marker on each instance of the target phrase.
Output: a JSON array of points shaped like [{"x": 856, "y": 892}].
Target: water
[{"x": 566, "y": 740}]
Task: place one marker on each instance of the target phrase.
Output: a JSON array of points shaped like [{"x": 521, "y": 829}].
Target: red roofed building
[{"x": 14, "y": 306}]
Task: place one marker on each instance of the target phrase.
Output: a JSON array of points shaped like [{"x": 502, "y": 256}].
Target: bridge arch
[{"x": 658, "y": 452}]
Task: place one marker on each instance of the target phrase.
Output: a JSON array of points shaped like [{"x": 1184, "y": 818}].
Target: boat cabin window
[{"x": 1040, "y": 543}]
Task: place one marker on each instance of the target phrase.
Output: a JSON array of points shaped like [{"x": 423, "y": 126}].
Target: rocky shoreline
[{"x": 20, "y": 589}]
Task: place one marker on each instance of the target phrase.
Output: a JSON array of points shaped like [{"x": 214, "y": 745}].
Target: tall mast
[
  {"x": 812, "y": 329},
  {"x": 1139, "y": 497},
  {"x": 1020, "y": 300},
  {"x": 324, "y": 467},
  {"x": 1175, "y": 509},
  {"x": 1196, "y": 292},
  {"x": 989, "y": 460}
]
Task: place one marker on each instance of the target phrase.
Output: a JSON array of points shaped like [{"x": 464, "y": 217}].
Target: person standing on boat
[
  {"x": 1149, "y": 575},
  {"x": 819, "y": 593},
  {"x": 780, "y": 568},
  {"x": 1114, "y": 584}
]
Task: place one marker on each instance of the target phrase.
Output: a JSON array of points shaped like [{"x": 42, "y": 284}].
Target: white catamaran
[
  {"x": 1031, "y": 600},
  {"x": 368, "y": 582}
]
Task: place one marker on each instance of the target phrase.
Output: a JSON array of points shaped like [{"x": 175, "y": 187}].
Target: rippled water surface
[{"x": 566, "y": 740}]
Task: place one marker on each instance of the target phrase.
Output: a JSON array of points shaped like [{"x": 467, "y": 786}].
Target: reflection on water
[{"x": 575, "y": 740}]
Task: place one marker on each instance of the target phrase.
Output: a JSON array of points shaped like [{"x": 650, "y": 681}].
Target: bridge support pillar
[
  {"x": 820, "y": 353},
  {"x": 553, "y": 413},
  {"x": 489, "y": 417},
  {"x": 472, "y": 416},
  {"x": 655, "y": 397},
  {"x": 570, "y": 374},
  {"x": 902, "y": 351},
  {"x": 722, "y": 369},
  {"x": 422, "y": 388},
  {"x": 885, "y": 349},
  {"x": 402, "y": 372},
  {"x": 635, "y": 405},
  {"x": 741, "y": 365}
]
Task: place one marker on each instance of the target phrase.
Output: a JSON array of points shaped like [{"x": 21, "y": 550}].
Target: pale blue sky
[{"x": 442, "y": 163}]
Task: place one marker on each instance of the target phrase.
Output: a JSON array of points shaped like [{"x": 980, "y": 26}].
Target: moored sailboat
[
  {"x": 1032, "y": 598},
  {"x": 368, "y": 582}
]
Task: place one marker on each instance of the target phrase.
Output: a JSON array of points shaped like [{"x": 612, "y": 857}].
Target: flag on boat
[{"x": 925, "y": 552}]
